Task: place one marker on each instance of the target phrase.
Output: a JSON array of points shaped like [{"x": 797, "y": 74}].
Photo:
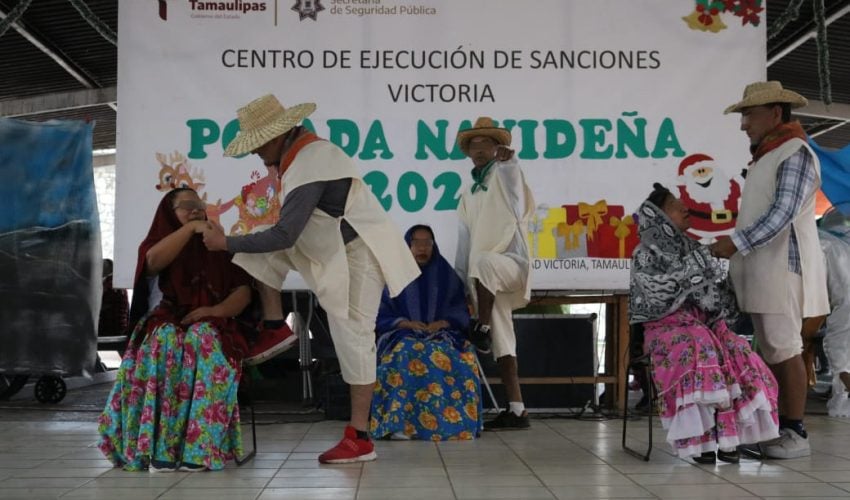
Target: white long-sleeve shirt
[{"x": 495, "y": 219}]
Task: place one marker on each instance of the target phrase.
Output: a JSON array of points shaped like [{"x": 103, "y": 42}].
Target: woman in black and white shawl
[{"x": 714, "y": 392}]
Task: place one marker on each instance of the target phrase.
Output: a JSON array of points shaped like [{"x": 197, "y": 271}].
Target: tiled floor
[{"x": 557, "y": 458}]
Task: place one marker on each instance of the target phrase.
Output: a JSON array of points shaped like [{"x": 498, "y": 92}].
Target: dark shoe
[
  {"x": 192, "y": 468},
  {"x": 707, "y": 458},
  {"x": 270, "y": 343},
  {"x": 730, "y": 457},
  {"x": 751, "y": 451},
  {"x": 508, "y": 421},
  {"x": 157, "y": 466},
  {"x": 479, "y": 338}
]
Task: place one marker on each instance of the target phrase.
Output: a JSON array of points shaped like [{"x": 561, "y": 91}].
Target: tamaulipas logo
[{"x": 231, "y": 7}]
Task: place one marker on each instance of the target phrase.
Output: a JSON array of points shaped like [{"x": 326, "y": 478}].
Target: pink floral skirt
[
  {"x": 174, "y": 401},
  {"x": 713, "y": 390}
]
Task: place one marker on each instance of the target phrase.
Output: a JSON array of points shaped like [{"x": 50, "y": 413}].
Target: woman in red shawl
[{"x": 174, "y": 400}]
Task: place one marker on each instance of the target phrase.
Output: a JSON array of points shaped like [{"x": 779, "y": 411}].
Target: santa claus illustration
[{"x": 710, "y": 195}]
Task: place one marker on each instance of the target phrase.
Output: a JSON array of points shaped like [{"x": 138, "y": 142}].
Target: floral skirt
[
  {"x": 427, "y": 389},
  {"x": 174, "y": 400},
  {"x": 713, "y": 390}
]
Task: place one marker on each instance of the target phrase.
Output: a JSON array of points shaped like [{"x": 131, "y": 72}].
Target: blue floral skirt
[{"x": 426, "y": 389}]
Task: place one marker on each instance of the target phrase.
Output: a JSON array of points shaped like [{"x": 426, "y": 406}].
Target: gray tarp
[{"x": 835, "y": 241}]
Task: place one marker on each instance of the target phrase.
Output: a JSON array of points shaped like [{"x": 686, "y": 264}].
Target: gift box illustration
[
  {"x": 571, "y": 241},
  {"x": 608, "y": 232}
]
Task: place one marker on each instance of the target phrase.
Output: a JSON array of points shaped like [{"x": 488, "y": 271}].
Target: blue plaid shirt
[{"x": 795, "y": 181}]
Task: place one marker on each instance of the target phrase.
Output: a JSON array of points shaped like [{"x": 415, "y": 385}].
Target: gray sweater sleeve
[{"x": 294, "y": 214}]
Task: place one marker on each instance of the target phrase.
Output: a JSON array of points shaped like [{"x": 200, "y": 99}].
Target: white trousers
[{"x": 354, "y": 335}]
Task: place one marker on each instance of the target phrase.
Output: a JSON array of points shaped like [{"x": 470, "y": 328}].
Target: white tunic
[
  {"x": 496, "y": 220},
  {"x": 319, "y": 253}
]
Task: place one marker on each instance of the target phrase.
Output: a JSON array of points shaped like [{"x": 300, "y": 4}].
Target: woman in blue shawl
[{"x": 428, "y": 383}]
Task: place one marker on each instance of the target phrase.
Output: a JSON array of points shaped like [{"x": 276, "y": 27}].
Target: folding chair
[
  {"x": 302, "y": 330},
  {"x": 305, "y": 349},
  {"x": 249, "y": 403},
  {"x": 638, "y": 360}
]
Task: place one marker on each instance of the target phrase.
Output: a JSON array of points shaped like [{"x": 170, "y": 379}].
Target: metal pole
[{"x": 486, "y": 384}]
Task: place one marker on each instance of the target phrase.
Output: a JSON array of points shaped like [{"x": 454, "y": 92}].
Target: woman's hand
[
  {"x": 198, "y": 226},
  {"x": 436, "y": 326},
  {"x": 413, "y": 325},
  {"x": 198, "y": 314},
  {"x": 163, "y": 253}
]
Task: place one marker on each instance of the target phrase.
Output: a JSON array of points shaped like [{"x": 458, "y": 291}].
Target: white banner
[{"x": 602, "y": 97}]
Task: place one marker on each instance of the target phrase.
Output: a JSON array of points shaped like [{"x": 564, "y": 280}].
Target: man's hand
[
  {"x": 723, "y": 248},
  {"x": 198, "y": 314},
  {"x": 504, "y": 153},
  {"x": 214, "y": 237}
]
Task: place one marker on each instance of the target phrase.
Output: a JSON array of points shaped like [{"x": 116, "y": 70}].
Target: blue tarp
[
  {"x": 47, "y": 174},
  {"x": 835, "y": 173}
]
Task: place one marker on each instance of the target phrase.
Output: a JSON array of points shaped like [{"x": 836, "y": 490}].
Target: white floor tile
[
  {"x": 681, "y": 492},
  {"x": 405, "y": 494},
  {"x": 502, "y": 492},
  {"x": 795, "y": 490},
  {"x": 31, "y": 493},
  {"x": 308, "y": 494},
  {"x": 211, "y": 494},
  {"x": 565, "y": 459}
]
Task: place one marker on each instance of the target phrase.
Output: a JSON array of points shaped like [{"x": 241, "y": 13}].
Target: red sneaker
[
  {"x": 350, "y": 449},
  {"x": 270, "y": 343}
]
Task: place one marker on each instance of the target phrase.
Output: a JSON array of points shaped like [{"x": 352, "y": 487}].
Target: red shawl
[
  {"x": 778, "y": 136},
  {"x": 288, "y": 157}
]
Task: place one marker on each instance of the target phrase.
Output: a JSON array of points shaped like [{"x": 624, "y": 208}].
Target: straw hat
[
  {"x": 263, "y": 119},
  {"x": 760, "y": 93},
  {"x": 484, "y": 126}
]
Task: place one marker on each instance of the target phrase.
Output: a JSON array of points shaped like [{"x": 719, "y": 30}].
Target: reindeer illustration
[
  {"x": 257, "y": 201},
  {"x": 175, "y": 172}
]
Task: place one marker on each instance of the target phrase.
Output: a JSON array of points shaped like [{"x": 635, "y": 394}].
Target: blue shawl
[{"x": 437, "y": 294}]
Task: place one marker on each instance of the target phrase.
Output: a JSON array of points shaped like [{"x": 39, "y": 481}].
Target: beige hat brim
[
  {"x": 500, "y": 135},
  {"x": 768, "y": 97},
  {"x": 245, "y": 142}
]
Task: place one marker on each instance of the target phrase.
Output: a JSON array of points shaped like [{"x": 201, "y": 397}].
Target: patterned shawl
[{"x": 669, "y": 270}]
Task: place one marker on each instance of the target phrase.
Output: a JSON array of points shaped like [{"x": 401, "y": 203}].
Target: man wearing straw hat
[
  {"x": 333, "y": 231},
  {"x": 777, "y": 266},
  {"x": 492, "y": 254}
]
